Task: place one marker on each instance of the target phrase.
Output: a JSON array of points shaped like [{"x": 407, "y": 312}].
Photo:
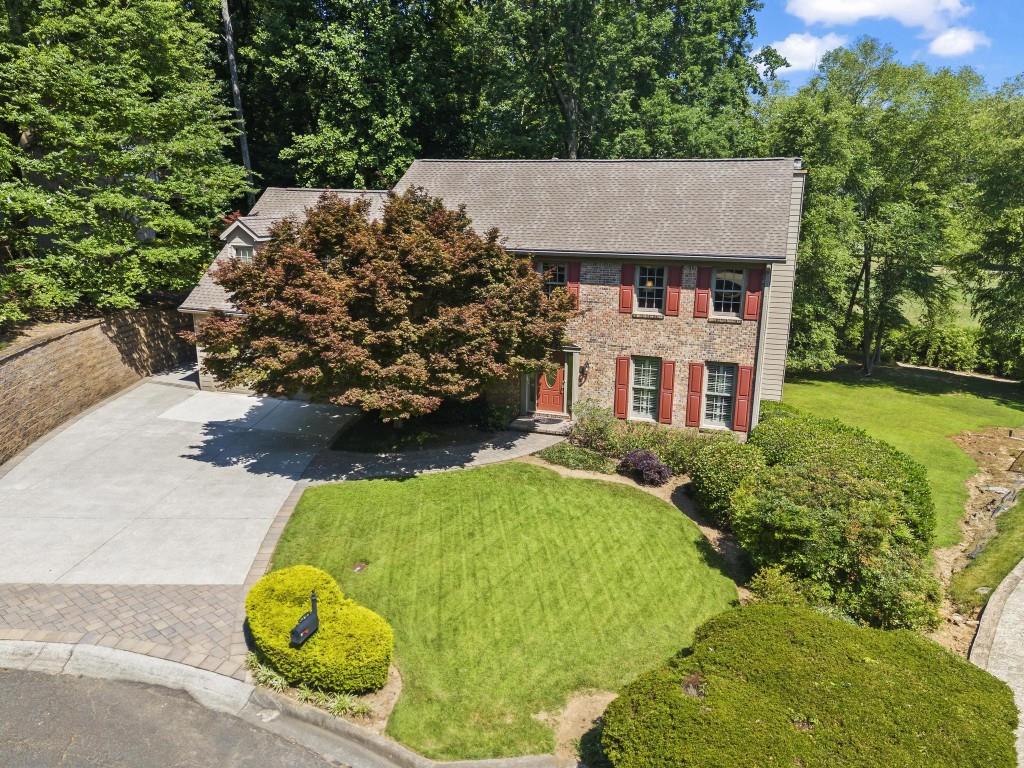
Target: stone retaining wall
[{"x": 49, "y": 378}]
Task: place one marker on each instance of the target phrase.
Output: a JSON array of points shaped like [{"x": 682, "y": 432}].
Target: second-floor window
[
  {"x": 650, "y": 289},
  {"x": 243, "y": 253},
  {"x": 727, "y": 294},
  {"x": 554, "y": 275}
]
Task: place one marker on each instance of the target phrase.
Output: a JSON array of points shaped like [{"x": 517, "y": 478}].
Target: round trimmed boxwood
[
  {"x": 351, "y": 651},
  {"x": 786, "y": 686}
]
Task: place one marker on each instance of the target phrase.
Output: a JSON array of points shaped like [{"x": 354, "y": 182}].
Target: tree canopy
[
  {"x": 888, "y": 200},
  {"x": 113, "y": 166},
  {"x": 393, "y": 316},
  {"x": 118, "y": 153}
]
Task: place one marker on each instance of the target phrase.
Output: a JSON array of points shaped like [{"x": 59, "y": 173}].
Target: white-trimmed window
[
  {"x": 650, "y": 289},
  {"x": 644, "y": 395},
  {"x": 243, "y": 253},
  {"x": 719, "y": 394},
  {"x": 555, "y": 275},
  {"x": 727, "y": 291}
]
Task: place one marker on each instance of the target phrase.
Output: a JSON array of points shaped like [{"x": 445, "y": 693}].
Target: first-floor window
[
  {"x": 554, "y": 276},
  {"x": 243, "y": 253},
  {"x": 720, "y": 391},
  {"x": 646, "y": 371}
]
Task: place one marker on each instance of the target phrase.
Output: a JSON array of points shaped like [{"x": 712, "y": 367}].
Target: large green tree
[
  {"x": 613, "y": 78},
  {"x": 393, "y": 316},
  {"x": 348, "y": 92},
  {"x": 890, "y": 194},
  {"x": 112, "y": 154},
  {"x": 995, "y": 269}
]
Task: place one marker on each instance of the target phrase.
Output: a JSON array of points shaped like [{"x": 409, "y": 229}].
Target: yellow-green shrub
[{"x": 350, "y": 652}]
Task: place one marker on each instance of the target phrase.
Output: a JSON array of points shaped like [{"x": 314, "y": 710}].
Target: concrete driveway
[{"x": 161, "y": 485}]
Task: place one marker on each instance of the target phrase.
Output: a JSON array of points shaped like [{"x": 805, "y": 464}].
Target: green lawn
[
  {"x": 509, "y": 587},
  {"x": 997, "y": 559},
  {"x": 918, "y": 411}
]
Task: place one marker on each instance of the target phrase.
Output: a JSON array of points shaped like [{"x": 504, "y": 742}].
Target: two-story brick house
[{"x": 683, "y": 270}]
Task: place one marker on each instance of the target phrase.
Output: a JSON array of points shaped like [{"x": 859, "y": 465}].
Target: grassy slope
[
  {"x": 918, "y": 411},
  {"x": 999, "y": 557},
  {"x": 509, "y": 587}
]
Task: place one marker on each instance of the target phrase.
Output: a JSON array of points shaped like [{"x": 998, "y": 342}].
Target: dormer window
[{"x": 243, "y": 253}]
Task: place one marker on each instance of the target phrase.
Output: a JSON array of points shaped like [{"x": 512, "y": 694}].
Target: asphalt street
[{"x": 59, "y": 720}]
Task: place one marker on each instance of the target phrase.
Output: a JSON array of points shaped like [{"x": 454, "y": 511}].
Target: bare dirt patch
[
  {"x": 381, "y": 703},
  {"x": 724, "y": 545},
  {"x": 579, "y": 717},
  {"x": 996, "y": 450}
]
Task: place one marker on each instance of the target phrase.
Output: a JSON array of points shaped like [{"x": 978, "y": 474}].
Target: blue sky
[{"x": 988, "y": 35}]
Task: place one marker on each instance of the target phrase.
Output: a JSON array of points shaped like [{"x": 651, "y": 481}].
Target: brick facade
[
  {"x": 603, "y": 333},
  {"x": 53, "y": 376}
]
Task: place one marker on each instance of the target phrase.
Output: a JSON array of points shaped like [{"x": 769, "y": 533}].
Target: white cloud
[
  {"x": 803, "y": 51},
  {"x": 930, "y": 15},
  {"x": 957, "y": 41}
]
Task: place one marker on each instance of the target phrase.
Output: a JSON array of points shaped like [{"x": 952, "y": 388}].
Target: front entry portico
[{"x": 552, "y": 392}]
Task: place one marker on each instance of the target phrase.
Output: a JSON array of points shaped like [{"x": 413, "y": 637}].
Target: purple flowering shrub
[{"x": 646, "y": 467}]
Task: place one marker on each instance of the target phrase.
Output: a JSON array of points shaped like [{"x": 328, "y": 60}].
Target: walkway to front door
[{"x": 551, "y": 387}]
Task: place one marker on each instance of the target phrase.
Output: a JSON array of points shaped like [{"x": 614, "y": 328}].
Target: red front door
[{"x": 551, "y": 387}]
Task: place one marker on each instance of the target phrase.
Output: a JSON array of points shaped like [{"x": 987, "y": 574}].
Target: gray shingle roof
[
  {"x": 274, "y": 204},
  {"x": 727, "y": 208}
]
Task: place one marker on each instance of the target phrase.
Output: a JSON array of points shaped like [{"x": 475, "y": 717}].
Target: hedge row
[
  {"x": 786, "y": 436},
  {"x": 849, "y": 517},
  {"x": 596, "y": 428},
  {"x": 771, "y": 685}
]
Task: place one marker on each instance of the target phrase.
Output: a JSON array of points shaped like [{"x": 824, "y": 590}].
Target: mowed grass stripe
[{"x": 509, "y": 588}]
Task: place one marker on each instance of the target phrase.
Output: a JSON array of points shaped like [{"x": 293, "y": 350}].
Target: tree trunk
[
  {"x": 853, "y": 301},
  {"x": 14, "y": 17},
  {"x": 236, "y": 92},
  {"x": 866, "y": 330}
]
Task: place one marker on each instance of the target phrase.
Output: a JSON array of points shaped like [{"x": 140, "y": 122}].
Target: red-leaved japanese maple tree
[{"x": 392, "y": 316}]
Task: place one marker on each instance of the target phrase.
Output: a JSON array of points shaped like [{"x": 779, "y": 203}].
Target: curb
[
  {"x": 334, "y": 739},
  {"x": 981, "y": 647}
]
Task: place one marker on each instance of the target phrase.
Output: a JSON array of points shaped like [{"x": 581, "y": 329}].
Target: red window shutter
[
  {"x": 573, "y": 280},
  {"x": 694, "y": 394},
  {"x": 675, "y": 285},
  {"x": 752, "y": 298},
  {"x": 621, "y": 387},
  {"x": 626, "y": 289},
  {"x": 668, "y": 383},
  {"x": 702, "y": 294},
  {"x": 744, "y": 398}
]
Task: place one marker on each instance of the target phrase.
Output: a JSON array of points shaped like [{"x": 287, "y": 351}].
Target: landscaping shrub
[
  {"x": 594, "y": 427},
  {"x": 949, "y": 346},
  {"x": 351, "y": 651},
  {"x": 848, "y": 539},
  {"x": 719, "y": 467},
  {"x": 789, "y": 437},
  {"x": 683, "y": 445},
  {"x": 773, "y": 585},
  {"x": 577, "y": 457},
  {"x": 645, "y": 468},
  {"x": 770, "y": 685}
]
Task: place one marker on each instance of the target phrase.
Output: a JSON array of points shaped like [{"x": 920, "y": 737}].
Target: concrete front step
[{"x": 545, "y": 425}]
